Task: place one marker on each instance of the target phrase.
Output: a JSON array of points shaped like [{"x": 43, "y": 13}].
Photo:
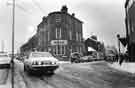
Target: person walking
[{"x": 121, "y": 59}]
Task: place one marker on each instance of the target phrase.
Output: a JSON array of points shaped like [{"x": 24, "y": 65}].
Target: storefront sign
[{"x": 59, "y": 42}]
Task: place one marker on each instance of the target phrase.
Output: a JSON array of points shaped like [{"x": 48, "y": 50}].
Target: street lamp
[
  {"x": 13, "y": 27},
  {"x": 118, "y": 37}
]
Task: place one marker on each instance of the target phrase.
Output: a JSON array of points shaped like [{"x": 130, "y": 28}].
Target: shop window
[
  {"x": 59, "y": 50},
  {"x": 76, "y": 36}
]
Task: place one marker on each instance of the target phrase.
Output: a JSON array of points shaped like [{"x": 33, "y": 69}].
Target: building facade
[
  {"x": 130, "y": 28},
  {"x": 30, "y": 45},
  {"x": 93, "y": 43},
  {"x": 60, "y": 33}
]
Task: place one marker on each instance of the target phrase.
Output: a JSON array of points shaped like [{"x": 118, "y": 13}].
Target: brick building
[
  {"x": 130, "y": 28},
  {"x": 60, "y": 33},
  {"x": 29, "y": 46}
]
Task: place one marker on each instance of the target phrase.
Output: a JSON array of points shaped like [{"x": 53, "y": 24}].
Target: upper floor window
[
  {"x": 70, "y": 35},
  {"x": 58, "y": 33},
  {"x": 80, "y": 37},
  {"x": 77, "y": 36},
  {"x": 132, "y": 27},
  {"x": 58, "y": 18},
  {"x": 48, "y": 35},
  {"x": 71, "y": 49}
]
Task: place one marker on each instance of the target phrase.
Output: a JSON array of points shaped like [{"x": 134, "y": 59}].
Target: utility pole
[
  {"x": 2, "y": 46},
  {"x": 13, "y": 28},
  {"x": 118, "y": 36}
]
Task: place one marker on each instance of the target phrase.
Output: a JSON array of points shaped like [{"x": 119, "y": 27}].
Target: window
[
  {"x": 70, "y": 35},
  {"x": 129, "y": 25},
  {"x": 58, "y": 18},
  {"x": 76, "y": 36},
  {"x": 62, "y": 50},
  {"x": 48, "y": 35},
  {"x": 71, "y": 49},
  {"x": 132, "y": 27},
  {"x": 58, "y": 33},
  {"x": 59, "y": 50}
]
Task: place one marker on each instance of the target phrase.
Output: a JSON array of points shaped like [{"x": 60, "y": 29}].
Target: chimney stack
[{"x": 64, "y": 9}]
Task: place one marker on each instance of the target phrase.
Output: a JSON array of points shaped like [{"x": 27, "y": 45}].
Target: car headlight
[
  {"x": 34, "y": 63},
  {"x": 53, "y": 62}
]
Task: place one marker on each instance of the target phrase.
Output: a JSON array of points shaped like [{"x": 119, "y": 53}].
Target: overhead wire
[
  {"x": 18, "y": 6},
  {"x": 38, "y": 6}
]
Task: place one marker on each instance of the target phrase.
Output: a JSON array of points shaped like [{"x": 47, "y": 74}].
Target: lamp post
[
  {"x": 118, "y": 36},
  {"x": 12, "y": 59}
]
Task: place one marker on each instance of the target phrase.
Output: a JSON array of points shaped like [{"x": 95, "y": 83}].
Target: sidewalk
[
  {"x": 126, "y": 66},
  {"x": 7, "y": 84}
]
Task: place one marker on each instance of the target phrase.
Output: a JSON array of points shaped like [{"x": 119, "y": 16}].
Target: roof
[{"x": 59, "y": 12}]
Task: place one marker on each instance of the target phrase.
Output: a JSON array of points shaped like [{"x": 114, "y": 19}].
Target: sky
[{"x": 104, "y": 18}]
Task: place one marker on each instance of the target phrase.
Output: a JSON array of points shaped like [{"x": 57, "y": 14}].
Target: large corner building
[
  {"x": 130, "y": 28},
  {"x": 60, "y": 33}
]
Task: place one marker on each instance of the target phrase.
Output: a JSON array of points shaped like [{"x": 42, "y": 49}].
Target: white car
[
  {"x": 40, "y": 62},
  {"x": 5, "y": 60}
]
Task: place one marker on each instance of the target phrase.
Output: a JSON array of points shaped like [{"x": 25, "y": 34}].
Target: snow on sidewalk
[{"x": 126, "y": 66}]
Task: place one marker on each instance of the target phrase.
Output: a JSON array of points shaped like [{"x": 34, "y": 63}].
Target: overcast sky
[{"x": 104, "y": 18}]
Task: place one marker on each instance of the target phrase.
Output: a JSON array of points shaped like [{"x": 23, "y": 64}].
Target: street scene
[{"x": 67, "y": 44}]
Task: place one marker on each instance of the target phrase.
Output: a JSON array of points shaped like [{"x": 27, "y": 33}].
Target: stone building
[
  {"x": 29, "y": 46},
  {"x": 60, "y": 33}
]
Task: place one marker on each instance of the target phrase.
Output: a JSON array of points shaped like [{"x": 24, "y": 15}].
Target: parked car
[
  {"x": 75, "y": 57},
  {"x": 5, "y": 60},
  {"x": 41, "y": 62}
]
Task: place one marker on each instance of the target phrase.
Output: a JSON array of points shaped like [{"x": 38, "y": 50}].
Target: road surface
[{"x": 82, "y": 75}]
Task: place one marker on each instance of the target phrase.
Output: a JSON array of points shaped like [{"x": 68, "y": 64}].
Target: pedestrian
[
  {"x": 121, "y": 59},
  {"x": 116, "y": 58}
]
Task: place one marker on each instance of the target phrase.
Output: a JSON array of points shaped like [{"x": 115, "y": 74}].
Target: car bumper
[{"x": 44, "y": 68}]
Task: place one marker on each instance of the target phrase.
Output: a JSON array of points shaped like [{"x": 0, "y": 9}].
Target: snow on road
[
  {"x": 77, "y": 75},
  {"x": 126, "y": 66}
]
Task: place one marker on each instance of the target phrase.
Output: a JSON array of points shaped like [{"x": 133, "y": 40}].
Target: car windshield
[{"x": 41, "y": 54}]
